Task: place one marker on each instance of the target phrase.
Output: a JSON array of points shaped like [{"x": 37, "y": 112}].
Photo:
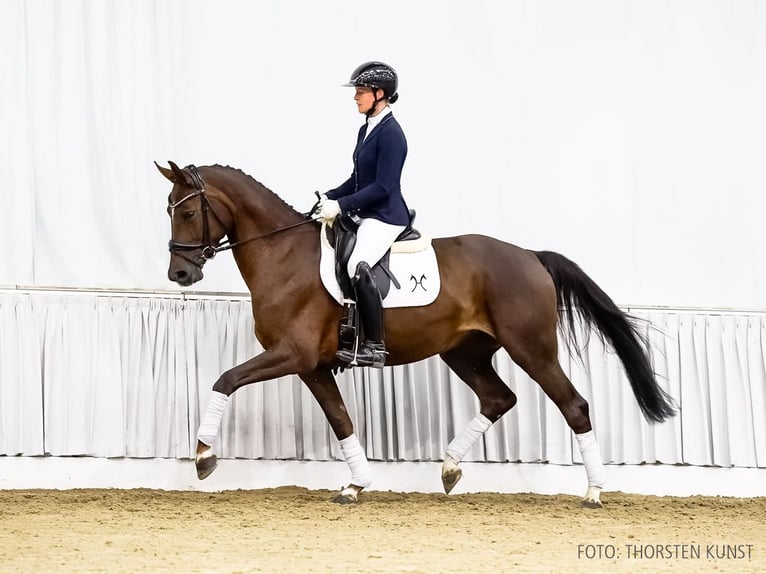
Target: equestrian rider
[{"x": 373, "y": 193}]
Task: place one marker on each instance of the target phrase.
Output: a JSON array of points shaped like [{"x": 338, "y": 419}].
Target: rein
[{"x": 207, "y": 249}]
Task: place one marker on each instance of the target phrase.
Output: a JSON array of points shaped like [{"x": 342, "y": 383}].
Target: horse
[{"x": 493, "y": 295}]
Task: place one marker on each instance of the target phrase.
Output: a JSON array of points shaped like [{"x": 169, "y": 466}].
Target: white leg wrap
[
  {"x": 211, "y": 421},
  {"x": 464, "y": 441},
  {"x": 591, "y": 457},
  {"x": 361, "y": 473}
]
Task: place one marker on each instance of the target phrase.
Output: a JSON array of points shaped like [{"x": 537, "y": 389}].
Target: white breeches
[{"x": 373, "y": 239}]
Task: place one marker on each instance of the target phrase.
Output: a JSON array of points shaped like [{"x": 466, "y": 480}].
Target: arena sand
[{"x": 297, "y": 530}]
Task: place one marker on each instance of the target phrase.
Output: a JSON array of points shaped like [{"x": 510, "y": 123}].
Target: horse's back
[
  {"x": 489, "y": 257},
  {"x": 507, "y": 278}
]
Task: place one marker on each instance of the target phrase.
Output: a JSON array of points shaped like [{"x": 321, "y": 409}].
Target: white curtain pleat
[
  {"x": 756, "y": 368},
  {"x": 21, "y": 398},
  {"x": 138, "y": 366},
  {"x": 662, "y": 332},
  {"x": 119, "y": 376},
  {"x": 82, "y": 378}
]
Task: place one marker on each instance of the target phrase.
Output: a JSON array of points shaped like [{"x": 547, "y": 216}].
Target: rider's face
[{"x": 364, "y": 98}]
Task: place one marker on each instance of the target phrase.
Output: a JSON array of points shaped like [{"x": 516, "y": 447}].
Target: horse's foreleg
[
  {"x": 325, "y": 390},
  {"x": 266, "y": 366},
  {"x": 471, "y": 361},
  {"x": 205, "y": 459}
]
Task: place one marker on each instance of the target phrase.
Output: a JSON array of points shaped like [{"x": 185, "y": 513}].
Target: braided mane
[{"x": 251, "y": 181}]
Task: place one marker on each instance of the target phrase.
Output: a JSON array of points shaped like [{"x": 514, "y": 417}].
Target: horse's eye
[{"x": 188, "y": 215}]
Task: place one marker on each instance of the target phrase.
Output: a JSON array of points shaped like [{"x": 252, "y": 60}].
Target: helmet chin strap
[{"x": 369, "y": 113}]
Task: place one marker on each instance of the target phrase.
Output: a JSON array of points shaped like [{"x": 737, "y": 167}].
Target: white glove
[
  {"x": 321, "y": 198},
  {"x": 329, "y": 209}
]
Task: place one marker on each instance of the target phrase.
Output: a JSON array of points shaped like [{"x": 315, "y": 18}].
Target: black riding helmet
[{"x": 376, "y": 75}]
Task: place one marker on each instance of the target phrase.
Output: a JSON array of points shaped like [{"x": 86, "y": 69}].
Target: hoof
[
  {"x": 592, "y": 498},
  {"x": 451, "y": 474},
  {"x": 348, "y": 495},
  {"x": 206, "y": 463}
]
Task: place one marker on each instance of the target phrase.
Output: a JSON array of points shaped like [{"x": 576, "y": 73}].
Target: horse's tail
[{"x": 578, "y": 294}]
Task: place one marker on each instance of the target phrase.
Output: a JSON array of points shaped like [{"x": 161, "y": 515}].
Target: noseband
[{"x": 206, "y": 247}]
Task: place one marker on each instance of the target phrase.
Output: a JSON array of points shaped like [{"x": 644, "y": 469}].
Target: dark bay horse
[{"x": 494, "y": 295}]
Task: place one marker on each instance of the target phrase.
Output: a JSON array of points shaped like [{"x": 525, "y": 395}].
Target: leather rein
[{"x": 206, "y": 247}]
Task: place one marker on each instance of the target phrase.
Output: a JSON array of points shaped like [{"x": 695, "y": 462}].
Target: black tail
[{"x": 578, "y": 294}]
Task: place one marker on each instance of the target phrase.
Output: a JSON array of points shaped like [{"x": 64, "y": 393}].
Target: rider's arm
[{"x": 344, "y": 189}]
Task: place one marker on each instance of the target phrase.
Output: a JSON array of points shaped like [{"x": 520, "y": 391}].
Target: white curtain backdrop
[
  {"x": 119, "y": 376},
  {"x": 626, "y": 135}
]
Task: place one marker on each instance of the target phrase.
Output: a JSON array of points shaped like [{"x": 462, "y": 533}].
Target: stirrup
[
  {"x": 368, "y": 355},
  {"x": 371, "y": 354},
  {"x": 346, "y": 355}
]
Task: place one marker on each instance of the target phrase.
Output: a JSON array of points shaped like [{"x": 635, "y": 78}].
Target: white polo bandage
[
  {"x": 460, "y": 445},
  {"x": 356, "y": 459},
  {"x": 591, "y": 458},
  {"x": 211, "y": 421}
]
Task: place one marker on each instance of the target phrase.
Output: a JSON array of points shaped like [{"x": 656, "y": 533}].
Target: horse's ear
[
  {"x": 181, "y": 175},
  {"x": 175, "y": 174},
  {"x": 168, "y": 173}
]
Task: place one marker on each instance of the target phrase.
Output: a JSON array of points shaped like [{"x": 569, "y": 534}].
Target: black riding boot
[{"x": 372, "y": 353}]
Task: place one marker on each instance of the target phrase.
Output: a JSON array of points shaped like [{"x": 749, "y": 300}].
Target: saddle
[{"x": 342, "y": 235}]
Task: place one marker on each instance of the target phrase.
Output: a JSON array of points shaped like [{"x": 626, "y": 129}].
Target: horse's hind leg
[
  {"x": 538, "y": 356},
  {"x": 472, "y": 362}
]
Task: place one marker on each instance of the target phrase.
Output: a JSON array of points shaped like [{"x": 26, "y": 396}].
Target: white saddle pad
[{"x": 413, "y": 263}]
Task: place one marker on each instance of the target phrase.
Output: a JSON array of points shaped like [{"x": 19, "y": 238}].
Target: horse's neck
[
  {"x": 267, "y": 257},
  {"x": 257, "y": 210},
  {"x": 263, "y": 213},
  {"x": 276, "y": 269}
]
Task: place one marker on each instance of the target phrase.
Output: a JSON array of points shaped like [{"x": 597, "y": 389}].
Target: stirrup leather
[{"x": 372, "y": 353}]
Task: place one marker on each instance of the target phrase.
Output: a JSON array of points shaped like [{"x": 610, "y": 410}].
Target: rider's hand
[
  {"x": 329, "y": 209},
  {"x": 321, "y": 198}
]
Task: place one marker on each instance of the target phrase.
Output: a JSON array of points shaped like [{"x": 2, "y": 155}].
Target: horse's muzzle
[{"x": 185, "y": 277}]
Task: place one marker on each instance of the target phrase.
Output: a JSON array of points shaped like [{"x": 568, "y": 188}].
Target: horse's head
[{"x": 196, "y": 230}]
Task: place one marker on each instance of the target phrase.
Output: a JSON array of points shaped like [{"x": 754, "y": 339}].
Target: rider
[{"x": 373, "y": 193}]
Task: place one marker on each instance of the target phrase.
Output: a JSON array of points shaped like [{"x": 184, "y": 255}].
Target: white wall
[
  {"x": 172, "y": 474},
  {"x": 627, "y": 135}
]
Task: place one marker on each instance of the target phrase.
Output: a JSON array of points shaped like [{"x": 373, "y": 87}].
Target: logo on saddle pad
[{"x": 412, "y": 263}]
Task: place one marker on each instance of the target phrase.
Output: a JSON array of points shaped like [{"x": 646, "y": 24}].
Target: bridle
[{"x": 207, "y": 249}]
